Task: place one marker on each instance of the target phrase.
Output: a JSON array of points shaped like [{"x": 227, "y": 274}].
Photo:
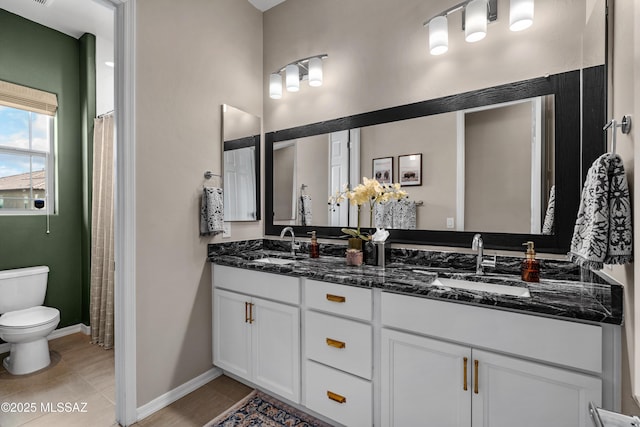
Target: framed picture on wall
[
  {"x": 383, "y": 170},
  {"x": 410, "y": 169}
]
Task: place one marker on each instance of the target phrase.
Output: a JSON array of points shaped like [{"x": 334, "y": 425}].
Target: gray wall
[{"x": 191, "y": 58}]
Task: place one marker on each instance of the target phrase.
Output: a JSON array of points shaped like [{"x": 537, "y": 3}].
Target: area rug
[{"x": 261, "y": 410}]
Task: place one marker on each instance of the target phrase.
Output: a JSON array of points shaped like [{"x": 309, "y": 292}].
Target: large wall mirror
[
  {"x": 241, "y": 164},
  {"x": 490, "y": 161},
  {"x": 488, "y": 168}
]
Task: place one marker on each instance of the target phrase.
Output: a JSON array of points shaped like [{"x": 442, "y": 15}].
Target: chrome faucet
[
  {"x": 478, "y": 245},
  {"x": 294, "y": 245}
]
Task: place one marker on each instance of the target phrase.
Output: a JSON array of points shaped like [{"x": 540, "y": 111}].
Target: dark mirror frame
[
  {"x": 249, "y": 141},
  {"x": 571, "y": 160}
]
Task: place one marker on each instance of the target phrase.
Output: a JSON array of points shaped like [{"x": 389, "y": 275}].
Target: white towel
[
  {"x": 305, "y": 209},
  {"x": 549, "y": 224},
  {"x": 603, "y": 232},
  {"x": 212, "y": 211}
]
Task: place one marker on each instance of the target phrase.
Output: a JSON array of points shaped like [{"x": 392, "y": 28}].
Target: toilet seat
[{"x": 29, "y": 317}]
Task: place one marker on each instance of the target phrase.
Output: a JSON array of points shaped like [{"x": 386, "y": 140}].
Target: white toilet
[{"x": 24, "y": 322}]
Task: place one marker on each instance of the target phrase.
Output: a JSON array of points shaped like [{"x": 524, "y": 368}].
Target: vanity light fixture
[
  {"x": 303, "y": 69},
  {"x": 475, "y": 16}
]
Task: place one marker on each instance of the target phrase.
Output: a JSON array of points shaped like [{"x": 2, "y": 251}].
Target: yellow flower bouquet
[{"x": 369, "y": 192}]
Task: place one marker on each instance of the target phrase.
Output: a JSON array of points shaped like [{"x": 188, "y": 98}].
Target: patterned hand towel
[
  {"x": 603, "y": 233},
  {"x": 404, "y": 214},
  {"x": 383, "y": 214},
  {"x": 305, "y": 209},
  {"x": 212, "y": 211},
  {"x": 549, "y": 218}
]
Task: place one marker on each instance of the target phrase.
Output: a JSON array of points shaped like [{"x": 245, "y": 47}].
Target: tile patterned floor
[{"x": 84, "y": 373}]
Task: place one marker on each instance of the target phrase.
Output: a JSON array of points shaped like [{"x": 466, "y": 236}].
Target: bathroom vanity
[{"x": 420, "y": 340}]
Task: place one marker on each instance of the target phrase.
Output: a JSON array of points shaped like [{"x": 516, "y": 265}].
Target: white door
[
  {"x": 423, "y": 382},
  {"x": 231, "y": 333},
  {"x": 276, "y": 348},
  {"x": 338, "y": 176},
  {"x": 514, "y": 392}
]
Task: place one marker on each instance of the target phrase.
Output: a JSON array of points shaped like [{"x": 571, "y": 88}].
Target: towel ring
[
  {"x": 209, "y": 175},
  {"x": 625, "y": 127}
]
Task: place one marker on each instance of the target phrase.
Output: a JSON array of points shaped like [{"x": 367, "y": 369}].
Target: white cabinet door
[
  {"x": 276, "y": 348},
  {"x": 515, "y": 392},
  {"x": 231, "y": 333},
  {"x": 423, "y": 382}
]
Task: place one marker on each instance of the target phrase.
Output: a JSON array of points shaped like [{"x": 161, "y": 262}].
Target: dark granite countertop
[{"x": 563, "y": 291}]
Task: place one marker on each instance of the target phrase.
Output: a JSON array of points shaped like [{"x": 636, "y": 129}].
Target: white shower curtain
[{"x": 102, "y": 253}]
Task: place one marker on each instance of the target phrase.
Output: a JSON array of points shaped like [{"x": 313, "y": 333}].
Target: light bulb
[
  {"x": 438, "y": 35},
  {"x": 275, "y": 86},
  {"x": 520, "y": 14},
  {"x": 315, "y": 72},
  {"x": 292, "y": 77},
  {"x": 475, "y": 17}
]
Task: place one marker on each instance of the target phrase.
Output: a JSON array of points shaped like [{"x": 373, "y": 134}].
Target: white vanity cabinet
[
  {"x": 338, "y": 344},
  {"x": 447, "y": 367},
  {"x": 256, "y": 328}
]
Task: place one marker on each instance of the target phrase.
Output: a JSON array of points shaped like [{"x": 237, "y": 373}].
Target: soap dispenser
[
  {"x": 314, "y": 247},
  {"x": 530, "y": 265}
]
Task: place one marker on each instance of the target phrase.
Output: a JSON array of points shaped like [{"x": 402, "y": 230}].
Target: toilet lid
[{"x": 30, "y": 317}]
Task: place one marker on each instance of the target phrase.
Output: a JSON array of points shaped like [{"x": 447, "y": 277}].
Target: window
[{"x": 26, "y": 162}]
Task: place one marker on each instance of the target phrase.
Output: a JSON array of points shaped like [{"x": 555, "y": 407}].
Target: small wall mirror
[{"x": 241, "y": 164}]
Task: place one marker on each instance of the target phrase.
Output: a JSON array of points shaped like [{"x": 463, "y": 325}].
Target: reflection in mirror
[
  {"x": 241, "y": 154},
  {"x": 487, "y": 169}
]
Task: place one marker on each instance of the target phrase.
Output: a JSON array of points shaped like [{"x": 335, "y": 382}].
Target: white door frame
[{"x": 125, "y": 209}]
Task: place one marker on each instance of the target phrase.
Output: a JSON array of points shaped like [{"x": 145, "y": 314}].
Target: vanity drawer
[
  {"x": 339, "y": 396},
  {"x": 341, "y": 343},
  {"x": 339, "y": 299},
  {"x": 275, "y": 287}
]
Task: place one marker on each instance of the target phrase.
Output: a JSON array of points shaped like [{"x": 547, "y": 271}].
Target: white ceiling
[
  {"x": 71, "y": 17},
  {"x": 264, "y": 5}
]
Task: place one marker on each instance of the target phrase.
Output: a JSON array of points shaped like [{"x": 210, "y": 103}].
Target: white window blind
[{"x": 26, "y": 98}]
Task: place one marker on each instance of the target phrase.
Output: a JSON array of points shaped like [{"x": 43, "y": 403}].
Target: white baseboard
[
  {"x": 58, "y": 333},
  {"x": 171, "y": 396}
]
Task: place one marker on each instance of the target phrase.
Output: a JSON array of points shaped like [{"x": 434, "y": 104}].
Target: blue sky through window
[{"x": 14, "y": 134}]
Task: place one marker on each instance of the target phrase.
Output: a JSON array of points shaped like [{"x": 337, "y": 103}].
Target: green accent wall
[{"x": 39, "y": 57}]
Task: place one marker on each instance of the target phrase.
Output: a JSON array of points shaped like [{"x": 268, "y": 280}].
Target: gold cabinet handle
[
  {"x": 335, "y": 343},
  {"x": 475, "y": 376},
  {"x": 464, "y": 387},
  {"x": 246, "y": 312},
  {"x": 336, "y": 298},
  {"x": 251, "y": 319},
  {"x": 336, "y": 397}
]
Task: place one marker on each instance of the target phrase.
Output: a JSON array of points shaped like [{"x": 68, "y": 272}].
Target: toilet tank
[{"x": 22, "y": 288}]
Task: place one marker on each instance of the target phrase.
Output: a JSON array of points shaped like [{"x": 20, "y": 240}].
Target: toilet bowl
[{"x": 24, "y": 322}]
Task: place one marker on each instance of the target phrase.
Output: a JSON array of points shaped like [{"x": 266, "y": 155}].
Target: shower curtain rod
[{"x": 105, "y": 114}]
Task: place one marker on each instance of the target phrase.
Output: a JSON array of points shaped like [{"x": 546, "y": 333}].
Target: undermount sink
[
  {"x": 516, "y": 291},
  {"x": 277, "y": 261}
]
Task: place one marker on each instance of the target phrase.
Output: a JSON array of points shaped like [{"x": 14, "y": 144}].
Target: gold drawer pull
[
  {"x": 335, "y": 343},
  {"x": 465, "y": 375},
  {"x": 336, "y": 298},
  {"x": 336, "y": 397},
  {"x": 246, "y": 312},
  {"x": 475, "y": 377}
]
